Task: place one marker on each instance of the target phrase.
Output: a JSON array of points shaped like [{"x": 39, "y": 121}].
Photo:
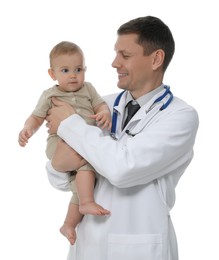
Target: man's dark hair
[{"x": 153, "y": 34}]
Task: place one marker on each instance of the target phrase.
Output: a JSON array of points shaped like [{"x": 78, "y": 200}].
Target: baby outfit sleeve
[
  {"x": 43, "y": 105},
  {"x": 96, "y": 99}
]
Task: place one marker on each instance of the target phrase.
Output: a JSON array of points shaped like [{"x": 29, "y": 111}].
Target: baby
[{"x": 67, "y": 67}]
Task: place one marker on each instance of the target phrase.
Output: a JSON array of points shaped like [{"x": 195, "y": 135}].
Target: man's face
[{"x": 133, "y": 68}]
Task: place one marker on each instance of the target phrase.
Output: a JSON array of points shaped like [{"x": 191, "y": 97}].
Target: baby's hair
[{"x": 64, "y": 47}]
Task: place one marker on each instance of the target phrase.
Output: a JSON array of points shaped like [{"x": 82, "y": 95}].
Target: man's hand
[
  {"x": 57, "y": 113},
  {"x": 65, "y": 159}
]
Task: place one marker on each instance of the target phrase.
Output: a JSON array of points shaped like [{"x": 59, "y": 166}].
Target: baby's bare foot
[
  {"x": 93, "y": 208},
  {"x": 69, "y": 232}
]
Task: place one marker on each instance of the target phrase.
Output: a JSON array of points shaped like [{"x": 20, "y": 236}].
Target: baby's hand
[
  {"x": 24, "y": 135},
  {"x": 103, "y": 119}
]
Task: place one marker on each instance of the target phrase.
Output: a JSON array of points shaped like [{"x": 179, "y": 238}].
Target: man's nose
[{"x": 116, "y": 63}]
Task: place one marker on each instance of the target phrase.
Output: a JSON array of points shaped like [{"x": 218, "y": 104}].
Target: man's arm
[{"x": 159, "y": 151}]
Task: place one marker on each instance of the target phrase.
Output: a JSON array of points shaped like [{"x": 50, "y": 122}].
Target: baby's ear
[{"x": 51, "y": 74}]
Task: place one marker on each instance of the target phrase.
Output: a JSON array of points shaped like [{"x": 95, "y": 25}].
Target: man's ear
[
  {"x": 51, "y": 74},
  {"x": 158, "y": 59}
]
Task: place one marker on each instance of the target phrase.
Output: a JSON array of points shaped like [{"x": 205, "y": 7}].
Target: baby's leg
[
  {"x": 85, "y": 181},
  {"x": 72, "y": 219}
]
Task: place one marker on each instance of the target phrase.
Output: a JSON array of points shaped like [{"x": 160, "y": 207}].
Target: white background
[{"x": 31, "y": 210}]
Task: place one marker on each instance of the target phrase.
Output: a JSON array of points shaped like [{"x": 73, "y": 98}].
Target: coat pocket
[{"x": 135, "y": 247}]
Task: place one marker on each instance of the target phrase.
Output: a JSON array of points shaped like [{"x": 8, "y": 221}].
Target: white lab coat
[{"x": 138, "y": 176}]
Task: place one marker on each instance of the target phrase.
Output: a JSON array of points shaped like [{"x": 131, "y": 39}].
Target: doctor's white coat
[{"x": 138, "y": 176}]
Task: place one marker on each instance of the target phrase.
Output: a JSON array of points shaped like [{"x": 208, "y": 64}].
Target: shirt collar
[{"x": 145, "y": 98}]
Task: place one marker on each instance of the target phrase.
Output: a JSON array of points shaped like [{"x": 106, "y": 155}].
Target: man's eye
[
  {"x": 125, "y": 56},
  {"x": 65, "y": 70}
]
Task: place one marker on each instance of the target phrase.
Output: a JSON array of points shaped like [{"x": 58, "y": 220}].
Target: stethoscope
[{"x": 117, "y": 100}]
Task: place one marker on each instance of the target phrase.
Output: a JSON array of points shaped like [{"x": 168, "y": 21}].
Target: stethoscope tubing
[
  {"x": 114, "y": 117},
  {"x": 117, "y": 100}
]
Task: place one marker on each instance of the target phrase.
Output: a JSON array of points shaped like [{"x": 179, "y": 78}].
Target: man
[{"x": 141, "y": 165}]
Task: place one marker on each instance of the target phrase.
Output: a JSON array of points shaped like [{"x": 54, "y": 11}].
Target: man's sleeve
[{"x": 58, "y": 180}]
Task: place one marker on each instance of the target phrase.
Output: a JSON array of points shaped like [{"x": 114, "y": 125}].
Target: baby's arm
[
  {"x": 102, "y": 116},
  {"x": 31, "y": 125}
]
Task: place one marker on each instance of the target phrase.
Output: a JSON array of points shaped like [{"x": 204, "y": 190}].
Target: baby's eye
[
  {"x": 65, "y": 70},
  {"x": 78, "y": 70}
]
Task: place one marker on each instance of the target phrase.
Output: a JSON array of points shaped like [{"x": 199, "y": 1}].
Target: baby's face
[{"x": 69, "y": 71}]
